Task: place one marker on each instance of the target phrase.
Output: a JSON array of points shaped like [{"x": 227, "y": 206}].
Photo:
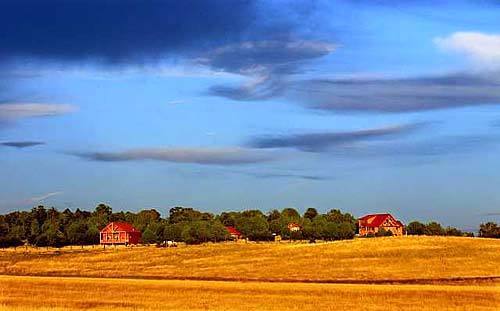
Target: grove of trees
[
  {"x": 49, "y": 227},
  {"x": 433, "y": 228}
]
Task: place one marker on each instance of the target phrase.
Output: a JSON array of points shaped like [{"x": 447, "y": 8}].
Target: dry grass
[
  {"x": 51, "y": 293},
  {"x": 360, "y": 259},
  {"x": 94, "y": 285}
]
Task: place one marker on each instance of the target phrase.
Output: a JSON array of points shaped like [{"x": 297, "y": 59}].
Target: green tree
[
  {"x": 415, "y": 228},
  {"x": 228, "y": 218},
  {"x": 173, "y": 232},
  {"x": 180, "y": 214},
  {"x": 331, "y": 230},
  {"x": 346, "y": 231},
  {"x": 51, "y": 234},
  {"x": 433, "y": 228},
  {"x": 77, "y": 233},
  {"x": 102, "y": 215},
  {"x": 275, "y": 226},
  {"x": 92, "y": 234},
  {"x": 196, "y": 232},
  {"x": 149, "y": 237},
  {"x": 146, "y": 218},
  {"x": 35, "y": 231},
  {"x": 451, "y": 231},
  {"x": 4, "y": 227},
  {"x": 338, "y": 217},
  {"x": 290, "y": 213},
  {"x": 273, "y": 215},
  {"x": 39, "y": 213},
  {"x": 319, "y": 225},
  {"x": 255, "y": 228},
  {"x": 311, "y": 213},
  {"x": 219, "y": 231}
]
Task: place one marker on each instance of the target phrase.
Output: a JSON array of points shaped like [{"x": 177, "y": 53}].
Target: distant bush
[
  {"x": 489, "y": 230},
  {"x": 415, "y": 228},
  {"x": 383, "y": 232},
  {"x": 434, "y": 228},
  {"x": 10, "y": 241},
  {"x": 451, "y": 231},
  {"x": 200, "y": 231}
]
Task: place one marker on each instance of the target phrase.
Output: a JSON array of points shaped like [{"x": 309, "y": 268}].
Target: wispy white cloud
[
  {"x": 42, "y": 197},
  {"x": 483, "y": 49},
  {"x": 176, "y": 102},
  {"x": 208, "y": 156},
  {"x": 13, "y": 111},
  {"x": 38, "y": 199}
]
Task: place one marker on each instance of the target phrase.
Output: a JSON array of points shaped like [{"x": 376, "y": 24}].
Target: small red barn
[
  {"x": 374, "y": 222},
  {"x": 120, "y": 233},
  {"x": 234, "y": 233}
]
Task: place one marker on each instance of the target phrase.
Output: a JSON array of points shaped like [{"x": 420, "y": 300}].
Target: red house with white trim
[
  {"x": 120, "y": 233},
  {"x": 234, "y": 233},
  {"x": 372, "y": 223}
]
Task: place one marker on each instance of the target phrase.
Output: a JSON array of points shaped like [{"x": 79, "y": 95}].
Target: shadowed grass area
[
  {"x": 49, "y": 293},
  {"x": 404, "y": 258}
]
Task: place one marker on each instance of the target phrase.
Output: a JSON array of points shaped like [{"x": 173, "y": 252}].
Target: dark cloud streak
[
  {"x": 399, "y": 94},
  {"x": 433, "y": 147},
  {"x": 21, "y": 144},
  {"x": 321, "y": 142},
  {"x": 269, "y": 64}
]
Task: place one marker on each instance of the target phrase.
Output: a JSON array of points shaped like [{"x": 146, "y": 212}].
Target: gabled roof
[
  {"x": 233, "y": 231},
  {"x": 375, "y": 220},
  {"x": 119, "y": 226},
  {"x": 293, "y": 225}
]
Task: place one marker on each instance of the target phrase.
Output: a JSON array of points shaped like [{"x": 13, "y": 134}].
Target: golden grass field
[
  {"x": 415, "y": 273},
  {"x": 28, "y": 293}
]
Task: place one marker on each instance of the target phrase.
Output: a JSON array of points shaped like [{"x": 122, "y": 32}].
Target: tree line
[{"x": 49, "y": 227}]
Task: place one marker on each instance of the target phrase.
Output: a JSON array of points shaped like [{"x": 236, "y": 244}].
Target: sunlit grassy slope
[
  {"x": 49, "y": 293},
  {"x": 359, "y": 259}
]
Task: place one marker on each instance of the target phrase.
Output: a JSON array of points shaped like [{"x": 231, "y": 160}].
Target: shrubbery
[
  {"x": 434, "y": 228},
  {"x": 489, "y": 230},
  {"x": 10, "y": 241}
]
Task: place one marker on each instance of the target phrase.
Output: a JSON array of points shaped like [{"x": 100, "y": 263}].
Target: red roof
[
  {"x": 375, "y": 220},
  {"x": 233, "y": 231},
  {"x": 119, "y": 226}
]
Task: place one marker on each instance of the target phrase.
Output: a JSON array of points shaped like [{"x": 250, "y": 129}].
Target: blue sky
[{"x": 359, "y": 105}]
